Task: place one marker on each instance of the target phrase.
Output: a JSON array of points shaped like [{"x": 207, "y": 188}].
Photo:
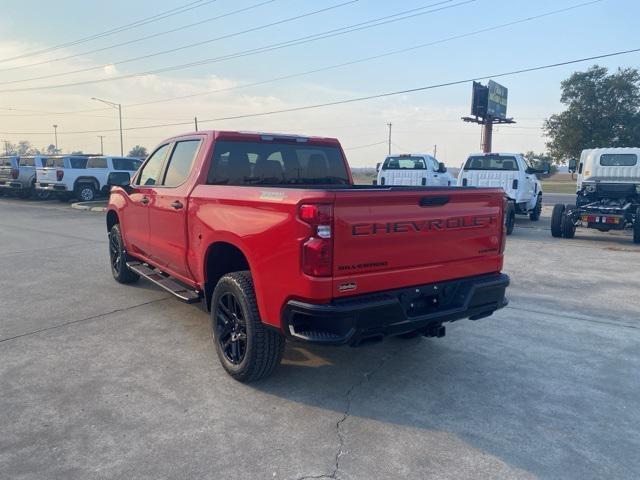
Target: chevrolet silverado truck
[{"x": 270, "y": 231}]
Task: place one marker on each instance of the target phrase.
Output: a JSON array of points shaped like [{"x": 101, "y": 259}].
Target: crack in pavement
[
  {"x": 346, "y": 414},
  {"x": 92, "y": 317}
]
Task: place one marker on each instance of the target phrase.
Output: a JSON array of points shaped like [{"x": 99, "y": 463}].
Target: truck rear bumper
[
  {"x": 11, "y": 185},
  {"x": 424, "y": 307},
  {"x": 52, "y": 187}
]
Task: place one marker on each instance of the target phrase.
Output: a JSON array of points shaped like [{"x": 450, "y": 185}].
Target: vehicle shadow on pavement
[{"x": 497, "y": 399}]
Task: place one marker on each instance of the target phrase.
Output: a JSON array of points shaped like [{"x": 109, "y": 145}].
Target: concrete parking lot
[{"x": 100, "y": 380}]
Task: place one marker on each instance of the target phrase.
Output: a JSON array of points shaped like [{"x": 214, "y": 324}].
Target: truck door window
[
  {"x": 130, "y": 164},
  {"x": 97, "y": 162},
  {"x": 184, "y": 153},
  {"x": 150, "y": 174},
  {"x": 77, "y": 162}
]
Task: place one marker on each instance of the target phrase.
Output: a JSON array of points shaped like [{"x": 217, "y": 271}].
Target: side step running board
[{"x": 164, "y": 281}]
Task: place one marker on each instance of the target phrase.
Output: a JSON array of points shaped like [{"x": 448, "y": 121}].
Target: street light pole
[
  {"x": 101, "y": 145},
  {"x": 55, "y": 135},
  {"x": 117, "y": 106},
  {"x": 389, "y": 125}
]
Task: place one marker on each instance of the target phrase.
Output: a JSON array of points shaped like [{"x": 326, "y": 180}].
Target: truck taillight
[
  {"x": 503, "y": 238},
  {"x": 317, "y": 250},
  {"x": 14, "y": 173},
  {"x": 59, "y": 174}
]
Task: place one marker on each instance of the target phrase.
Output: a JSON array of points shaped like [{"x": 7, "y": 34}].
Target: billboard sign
[
  {"x": 497, "y": 100},
  {"x": 479, "y": 100}
]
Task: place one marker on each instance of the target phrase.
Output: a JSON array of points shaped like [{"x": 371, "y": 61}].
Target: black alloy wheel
[{"x": 231, "y": 328}]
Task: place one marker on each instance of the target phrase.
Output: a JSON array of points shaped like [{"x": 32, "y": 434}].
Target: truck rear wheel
[
  {"x": 568, "y": 227},
  {"x": 510, "y": 218},
  {"x": 118, "y": 258},
  {"x": 85, "y": 192},
  {"x": 556, "y": 220},
  {"x": 534, "y": 216},
  {"x": 247, "y": 349}
]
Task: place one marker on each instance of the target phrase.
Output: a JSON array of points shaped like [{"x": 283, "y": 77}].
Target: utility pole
[
  {"x": 101, "y": 145},
  {"x": 195, "y": 119},
  {"x": 6, "y": 147},
  {"x": 487, "y": 135},
  {"x": 118, "y": 107},
  {"x": 389, "y": 125},
  {"x": 435, "y": 151},
  {"x": 55, "y": 136}
]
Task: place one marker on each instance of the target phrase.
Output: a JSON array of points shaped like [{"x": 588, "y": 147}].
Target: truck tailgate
[
  {"x": 405, "y": 237},
  {"x": 46, "y": 175}
]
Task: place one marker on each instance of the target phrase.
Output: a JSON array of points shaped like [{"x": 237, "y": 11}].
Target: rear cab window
[
  {"x": 6, "y": 161},
  {"x": 618, "y": 159},
  {"x": 404, "y": 162},
  {"x": 54, "y": 162},
  {"x": 238, "y": 162},
  {"x": 27, "y": 162},
  {"x": 491, "y": 162}
]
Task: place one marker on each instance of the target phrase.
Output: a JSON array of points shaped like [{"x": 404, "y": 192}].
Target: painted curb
[{"x": 90, "y": 206}]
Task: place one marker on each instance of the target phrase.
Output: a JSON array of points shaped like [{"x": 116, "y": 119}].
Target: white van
[{"x": 413, "y": 169}]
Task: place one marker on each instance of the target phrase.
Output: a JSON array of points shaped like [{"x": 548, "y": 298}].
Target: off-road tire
[
  {"x": 118, "y": 258},
  {"x": 510, "y": 218},
  {"x": 85, "y": 192},
  {"x": 264, "y": 346},
  {"x": 568, "y": 227},
  {"x": 556, "y": 220},
  {"x": 534, "y": 216}
]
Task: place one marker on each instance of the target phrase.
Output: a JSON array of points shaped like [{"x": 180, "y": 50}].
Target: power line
[
  {"x": 276, "y": 46},
  {"x": 129, "y": 26},
  {"x": 358, "y": 99},
  {"x": 384, "y": 142},
  {"x": 352, "y": 62},
  {"x": 176, "y": 49},
  {"x": 140, "y": 39}
]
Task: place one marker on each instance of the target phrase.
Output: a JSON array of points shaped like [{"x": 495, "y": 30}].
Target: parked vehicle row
[{"x": 66, "y": 176}]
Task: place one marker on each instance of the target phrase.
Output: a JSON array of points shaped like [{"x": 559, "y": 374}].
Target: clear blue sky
[{"x": 606, "y": 26}]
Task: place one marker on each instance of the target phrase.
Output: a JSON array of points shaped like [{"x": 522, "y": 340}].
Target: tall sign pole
[{"x": 389, "y": 125}]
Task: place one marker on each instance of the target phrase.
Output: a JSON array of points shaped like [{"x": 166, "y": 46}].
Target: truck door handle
[
  {"x": 144, "y": 200},
  {"x": 177, "y": 205},
  {"x": 433, "y": 201}
]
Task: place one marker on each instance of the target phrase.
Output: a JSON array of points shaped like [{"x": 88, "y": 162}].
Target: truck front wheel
[
  {"x": 534, "y": 216},
  {"x": 247, "y": 349},
  {"x": 118, "y": 258},
  {"x": 556, "y": 220}
]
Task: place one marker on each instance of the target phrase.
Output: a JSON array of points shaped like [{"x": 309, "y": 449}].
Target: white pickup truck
[
  {"x": 413, "y": 169},
  {"x": 82, "y": 177},
  {"x": 511, "y": 172}
]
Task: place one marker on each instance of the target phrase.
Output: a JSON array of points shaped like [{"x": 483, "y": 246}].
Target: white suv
[
  {"x": 511, "y": 172},
  {"x": 413, "y": 169},
  {"x": 80, "y": 176}
]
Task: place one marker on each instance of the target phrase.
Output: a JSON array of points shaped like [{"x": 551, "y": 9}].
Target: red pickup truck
[{"x": 272, "y": 233}]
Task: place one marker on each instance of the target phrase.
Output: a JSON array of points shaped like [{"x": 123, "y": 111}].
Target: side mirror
[
  {"x": 572, "y": 165},
  {"x": 377, "y": 167},
  {"x": 442, "y": 168},
  {"x": 120, "y": 179},
  {"x": 375, "y": 182}
]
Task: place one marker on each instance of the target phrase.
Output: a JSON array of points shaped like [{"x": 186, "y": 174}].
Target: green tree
[
  {"x": 138, "y": 152},
  {"x": 52, "y": 150},
  {"x": 603, "y": 110}
]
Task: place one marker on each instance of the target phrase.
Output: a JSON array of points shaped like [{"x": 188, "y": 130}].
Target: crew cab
[
  {"x": 18, "y": 175},
  {"x": 82, "y": 177},
  {"x": 413, "y": 169},
  {"x": 511, "y": 172},
  {"x": 270, "y": 231},
  {"x": 608, "y": 194}
]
